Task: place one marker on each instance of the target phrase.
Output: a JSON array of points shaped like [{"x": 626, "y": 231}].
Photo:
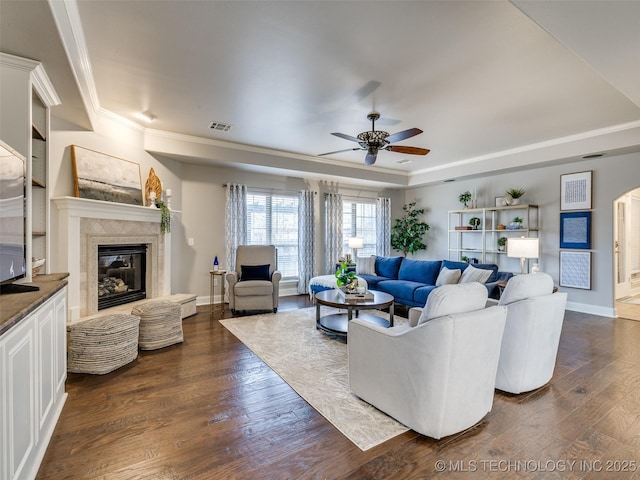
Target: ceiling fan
[{"x": 374, "y": 141}]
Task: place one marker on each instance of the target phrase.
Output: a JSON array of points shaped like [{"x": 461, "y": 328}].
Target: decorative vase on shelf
[{"x": 216, "y": 264}]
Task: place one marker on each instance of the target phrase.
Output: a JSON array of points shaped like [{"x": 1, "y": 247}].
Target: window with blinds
[
  {"x": 359, "y": 220},
  {"x": 272, "y": 219}
]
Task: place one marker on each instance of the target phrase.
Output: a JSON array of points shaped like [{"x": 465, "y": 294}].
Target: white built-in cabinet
[
  {"x": 33, "y": 371},
  {"x": 26, "y": 96},
  {"x": 481, "y": 242}
]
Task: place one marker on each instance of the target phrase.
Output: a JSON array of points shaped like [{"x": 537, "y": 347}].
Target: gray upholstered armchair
[{"x": 255, "y": 285}]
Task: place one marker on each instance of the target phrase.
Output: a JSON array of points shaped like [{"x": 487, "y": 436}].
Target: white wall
[{"x": 612, "y": 176}]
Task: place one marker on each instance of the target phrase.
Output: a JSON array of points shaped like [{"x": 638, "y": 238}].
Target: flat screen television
[{"x": 13, "y": 249}]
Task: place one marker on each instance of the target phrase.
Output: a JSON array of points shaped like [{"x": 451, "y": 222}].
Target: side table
[{"x": 216, "y": 307}]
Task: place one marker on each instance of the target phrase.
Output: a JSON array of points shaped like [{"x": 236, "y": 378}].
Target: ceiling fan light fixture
[{"x": 147, "y": 116}]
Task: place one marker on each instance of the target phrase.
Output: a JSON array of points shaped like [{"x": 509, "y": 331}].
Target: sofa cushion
[
  {"x": 366, "y": 265},
  {"x": 452, "y": 299},
  {"x": 401, "y": 290},
  {"x": 448, "y": 277},
  {"x": 388, "y": 266},
  {"x": 473, "y": 274},
  {"x": 421, "y": 271},
  {"x": 451, "y": 265},
  {"x": 489, "y": 266},
  {"x": 420, "y": 295},
  {"x": 372, "y": 280},
  {"x": 253, "y": 288}
]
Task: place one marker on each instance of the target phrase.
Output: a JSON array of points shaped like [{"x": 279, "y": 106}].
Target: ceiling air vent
[{"x": 220, "y": 127}]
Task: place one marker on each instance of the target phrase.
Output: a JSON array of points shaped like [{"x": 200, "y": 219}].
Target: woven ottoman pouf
[
  {"x": 102, "y": 344},
  {"x": 160, "y": 324}
]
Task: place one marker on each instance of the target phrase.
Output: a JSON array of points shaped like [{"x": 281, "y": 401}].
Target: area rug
[{"x": 315, "y": 366}]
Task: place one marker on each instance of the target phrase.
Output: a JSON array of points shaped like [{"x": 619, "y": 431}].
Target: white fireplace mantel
[{"x": 111, "y": 221}]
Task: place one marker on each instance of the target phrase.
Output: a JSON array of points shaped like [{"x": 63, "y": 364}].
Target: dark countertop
[{"x": 16, "y": 306}]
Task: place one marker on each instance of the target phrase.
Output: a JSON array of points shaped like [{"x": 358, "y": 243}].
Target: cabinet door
[
  {"x": 19, "y": 396},
  {"x": 46, "y": 349},
  {"x": 60, "y": 341}
]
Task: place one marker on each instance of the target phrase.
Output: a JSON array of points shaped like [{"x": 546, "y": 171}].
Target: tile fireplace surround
[{"x": 84, "y": 224}]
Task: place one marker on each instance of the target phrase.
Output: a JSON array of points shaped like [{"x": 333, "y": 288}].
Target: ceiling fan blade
[
  {"x": 339, "y": 151},
  {"x": 408, "y": 150},
  {"x": 346, "y": 137},
  {"x": 396, "y": 137},
  {"x": 370, "y": 158}
]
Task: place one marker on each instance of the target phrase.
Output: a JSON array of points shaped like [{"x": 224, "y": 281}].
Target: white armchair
[
  {"x": 255, "y": 285},
  {"x": 531, "y": 334},
  {"x": 437, "y": 378}
]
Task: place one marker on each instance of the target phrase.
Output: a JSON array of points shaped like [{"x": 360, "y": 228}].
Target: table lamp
[
  {"x": 523, "y": 248},
  {"x": 355, "y": 243}
]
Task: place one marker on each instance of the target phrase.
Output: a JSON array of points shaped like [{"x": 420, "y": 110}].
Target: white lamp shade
[
  {"x": 523, "y": 247},
  {"x": 356, "y": 242}
]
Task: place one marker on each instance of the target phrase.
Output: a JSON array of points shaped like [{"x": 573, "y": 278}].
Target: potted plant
[
  {"x": 502, "y": 242},
  {"x": 517, "y": 221},
  {"x": 346, "y": 278},
  {"x": 464, "y": 258},
  {"x": 464, "y": 198},
  {"x": 474, "y": 222},
  {"x": 408, "y": 232},
  {"x": 165, "y": 216},
  {"x": 513, "y": 195}
]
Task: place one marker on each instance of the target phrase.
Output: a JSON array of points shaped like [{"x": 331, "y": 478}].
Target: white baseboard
[{"x": 592, "y": 309}]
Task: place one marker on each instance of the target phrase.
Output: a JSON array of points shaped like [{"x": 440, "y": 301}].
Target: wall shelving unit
[{"x": 482, "y": 243}]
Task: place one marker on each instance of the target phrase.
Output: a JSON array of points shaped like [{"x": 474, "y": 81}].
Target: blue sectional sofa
[{"x": 411, "y": 281}]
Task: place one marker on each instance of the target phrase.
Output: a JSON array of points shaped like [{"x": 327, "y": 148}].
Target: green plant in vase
[
  {"x": 474, "y": 222},
  {"x": 345, "y": 277},
  {"x": 513, "y": 195},
  {"x": 502, "y": 243},
  {"x": 517, "y": 221},
  {"x": 465, "y": 198},
  {"x": 464, "y": 258}
]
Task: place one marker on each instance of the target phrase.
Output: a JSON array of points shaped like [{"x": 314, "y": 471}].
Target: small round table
[{"x": 338, "y": 323}]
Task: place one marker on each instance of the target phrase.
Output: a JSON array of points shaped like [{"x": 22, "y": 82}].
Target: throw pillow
[
  {"x": 366, "y": 265},
  {"x": 255, "y": 272},
  {"x": 473, "y": 274},
  {"x": 448, "y": 276}
]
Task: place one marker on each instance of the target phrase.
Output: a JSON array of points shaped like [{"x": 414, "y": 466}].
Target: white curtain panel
[
  {"x": 333, "y": 212},
  {"x": 383, "y": 227},
  {"x": 306, "y": 239},
  {"x": 235, "y": 219}
]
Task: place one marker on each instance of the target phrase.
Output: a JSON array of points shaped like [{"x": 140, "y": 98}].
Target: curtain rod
[{"x": 263, "y": 189}]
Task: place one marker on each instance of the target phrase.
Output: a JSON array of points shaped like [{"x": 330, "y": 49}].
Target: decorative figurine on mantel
[{"x": 152, "y": 185}]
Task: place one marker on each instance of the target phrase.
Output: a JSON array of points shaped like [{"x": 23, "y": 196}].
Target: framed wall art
[
  {"x": 575, "y": 269},
  {"x": 575, "y": 191},
  {"x": 575, "y": 230},
  {"x": 99, "y": 176}
]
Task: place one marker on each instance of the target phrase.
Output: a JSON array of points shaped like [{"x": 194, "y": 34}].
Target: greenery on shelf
[
  {"x": 515, "y": 192},
  {"x": 517, "y": 220},
  {"x": 408, "y": 232},
  {"x": 502, "y": 242},
  {"x": 165, "y": 216},
  {"x": 474, "y": 222},
  {"x": 464, "y": 258},
  {"x": 465, "y": 198},
  {"x": 344, "y": 276}
]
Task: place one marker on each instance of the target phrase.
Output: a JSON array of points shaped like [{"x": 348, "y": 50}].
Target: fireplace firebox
[{"x": 121, "y": 274}]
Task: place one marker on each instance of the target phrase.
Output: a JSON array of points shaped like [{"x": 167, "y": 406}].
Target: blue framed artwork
[{"x": 575, "y": 230}]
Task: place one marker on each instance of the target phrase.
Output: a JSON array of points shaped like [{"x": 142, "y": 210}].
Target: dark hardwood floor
[{"x": 210, "y": 409}]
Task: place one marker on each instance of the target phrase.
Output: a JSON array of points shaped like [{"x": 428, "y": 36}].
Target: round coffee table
[{"x": 338, "y": 323}]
